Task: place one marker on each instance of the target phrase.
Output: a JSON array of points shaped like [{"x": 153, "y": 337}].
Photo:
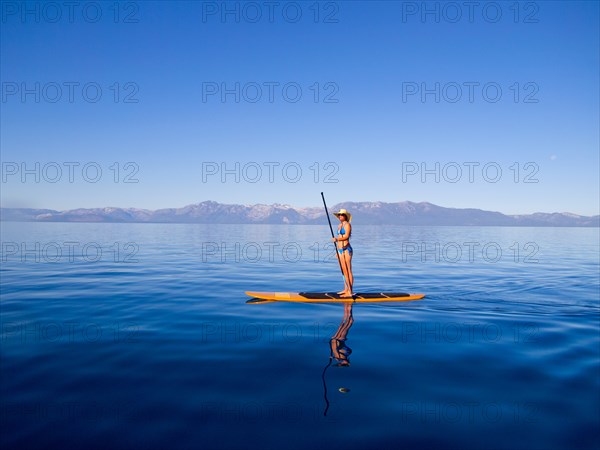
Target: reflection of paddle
[
  {"x": 333, "y": 236},
  {"x": 325, "y": 384}
]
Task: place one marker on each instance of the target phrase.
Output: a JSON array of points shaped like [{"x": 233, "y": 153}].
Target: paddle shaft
[{"x": 332, "y": 235}]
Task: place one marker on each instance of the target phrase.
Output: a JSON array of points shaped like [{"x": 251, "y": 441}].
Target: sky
[{"x": 490, "y": 105}]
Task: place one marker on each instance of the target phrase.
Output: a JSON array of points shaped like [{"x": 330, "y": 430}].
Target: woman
[{"x": 344, "y": 250}]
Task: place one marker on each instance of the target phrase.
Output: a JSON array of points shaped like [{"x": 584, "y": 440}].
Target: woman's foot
[{"x": 346, "y": 295}]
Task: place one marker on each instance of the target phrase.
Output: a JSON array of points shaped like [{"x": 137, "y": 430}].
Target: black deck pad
[
  {"x": 318, "y": 295},
  {"x": 382, "y": 294}
]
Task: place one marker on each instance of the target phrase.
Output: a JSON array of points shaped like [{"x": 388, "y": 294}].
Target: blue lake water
[{"x": 138, "y": 336}]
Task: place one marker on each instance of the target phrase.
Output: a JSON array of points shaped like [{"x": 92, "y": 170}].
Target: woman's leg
[
  {"x": 344, "y": 272},
  {"x": 350, "y": 274},
  {"x": 341, "y": 259},
  {"x": 346, "y": 260}
]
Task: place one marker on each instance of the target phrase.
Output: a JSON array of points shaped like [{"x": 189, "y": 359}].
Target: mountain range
[{"x": 400, "y": 213}]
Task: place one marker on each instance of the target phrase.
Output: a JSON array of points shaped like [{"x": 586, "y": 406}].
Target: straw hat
[{"x": 346, "y": 213}]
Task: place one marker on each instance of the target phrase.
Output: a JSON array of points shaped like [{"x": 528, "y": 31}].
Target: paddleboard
[{"x": 331, "y": 297}]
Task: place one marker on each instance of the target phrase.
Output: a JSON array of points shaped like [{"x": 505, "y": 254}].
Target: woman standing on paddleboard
[{"x": 344, "y": 250}]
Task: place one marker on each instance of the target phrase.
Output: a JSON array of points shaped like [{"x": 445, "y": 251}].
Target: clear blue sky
[{"x": 373, "y": 58}]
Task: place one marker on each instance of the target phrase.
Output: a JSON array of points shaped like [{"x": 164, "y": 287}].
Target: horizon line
[{"x": 297, "y": 207}]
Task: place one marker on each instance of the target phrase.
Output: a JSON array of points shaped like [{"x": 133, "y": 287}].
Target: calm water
[{"x": 138, "y": 336}]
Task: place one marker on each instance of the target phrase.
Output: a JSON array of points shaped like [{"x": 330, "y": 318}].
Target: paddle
[{"x": 333, "y": 235}]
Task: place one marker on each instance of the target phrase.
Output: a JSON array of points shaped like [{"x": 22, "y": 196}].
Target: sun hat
[{"x": 344, "y": 212}]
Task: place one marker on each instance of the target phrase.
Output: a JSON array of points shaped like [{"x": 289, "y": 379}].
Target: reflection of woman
[
  {"x": 339, "y": 350},
  {"x": 344, "y": 250}
]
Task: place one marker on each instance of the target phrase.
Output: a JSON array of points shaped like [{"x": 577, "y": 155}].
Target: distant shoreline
[
  {"x": 365, "y": 213},
  {"x": 304, "y": 224}
]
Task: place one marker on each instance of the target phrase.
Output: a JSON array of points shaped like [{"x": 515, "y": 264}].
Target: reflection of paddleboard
[{"x": 331, "y": 297}]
